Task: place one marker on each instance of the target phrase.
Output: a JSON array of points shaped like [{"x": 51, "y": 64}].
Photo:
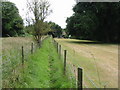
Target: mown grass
[
  {"x": 80, "y": 54},
  {"x": 43, "y": 69}
]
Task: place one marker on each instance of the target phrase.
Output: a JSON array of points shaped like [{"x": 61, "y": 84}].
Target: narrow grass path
[{"x": 44, "y": 69}]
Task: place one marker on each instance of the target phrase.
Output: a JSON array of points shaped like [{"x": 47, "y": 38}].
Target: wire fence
[
  {"x": 13, "y": 60},
  {"x": 73, "y": 68},
  {"x": 16, "y": 58}
]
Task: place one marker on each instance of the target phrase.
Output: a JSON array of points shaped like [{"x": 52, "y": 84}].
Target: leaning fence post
[
  {"x": 32, "y": 48},
  {"x": 22, "y": 55},
  {"x": 65, "y": 53},
  {"x": 80, "y": 72}
]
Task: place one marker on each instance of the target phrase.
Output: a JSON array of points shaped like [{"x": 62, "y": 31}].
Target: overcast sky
[{"x": 61, "y": 10}]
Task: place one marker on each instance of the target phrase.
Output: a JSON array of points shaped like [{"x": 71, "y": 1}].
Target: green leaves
[
  {"x": 12, "y": 22},
  {"x": 56, "y": 29},
  {"x": 96, "y": 21}
]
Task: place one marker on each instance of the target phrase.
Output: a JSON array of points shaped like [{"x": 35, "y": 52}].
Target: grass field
[
  {"x": 11, "y": 58},
  {"x": 42, "y": 69},
  {"x": 98, "y": 60}
]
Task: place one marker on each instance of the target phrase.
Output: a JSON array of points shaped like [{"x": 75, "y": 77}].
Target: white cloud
[{"x": 61, "y": 10}]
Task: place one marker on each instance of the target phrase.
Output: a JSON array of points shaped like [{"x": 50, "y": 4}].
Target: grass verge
[{"x": 44, "y": 69}]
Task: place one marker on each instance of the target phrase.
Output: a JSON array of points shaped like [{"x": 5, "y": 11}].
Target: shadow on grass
[{"x": 92, "y": 42}]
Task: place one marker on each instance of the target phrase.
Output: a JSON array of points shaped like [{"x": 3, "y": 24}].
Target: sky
[{"x": 61, "y": 10}]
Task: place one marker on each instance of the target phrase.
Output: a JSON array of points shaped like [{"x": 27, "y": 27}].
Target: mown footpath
[{"x": 44, "y": 69}]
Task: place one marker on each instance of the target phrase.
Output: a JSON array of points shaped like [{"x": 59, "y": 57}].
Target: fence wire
[
  {"x": 75, "y": 70},
  {"x": 12, "y": 60}
]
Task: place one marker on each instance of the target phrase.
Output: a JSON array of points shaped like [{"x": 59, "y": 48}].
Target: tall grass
[
  {"x": 11, "y": 58},
  {"x": 43, "y": 69}
]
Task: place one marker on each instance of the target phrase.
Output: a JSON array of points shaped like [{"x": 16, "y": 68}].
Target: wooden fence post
[
  {"x": 65, "y": 53},
  {"x": 60, "y": 51},
  {"x": 80, "y": 72},
  {"x": 22, "y": 55},
  {"x": 32, "y": 48},
  {"x": 57, "y": 47}
]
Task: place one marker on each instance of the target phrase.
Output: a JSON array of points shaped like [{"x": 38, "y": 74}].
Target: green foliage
[
  {"x": 55, "y": 29},
  {"x": 12, "y": 23},
  {"x": 96, "y": 21},
  {"x": 29, "y": 30},
  {"x": 41, "y": 28},
  {"x": 45, "y": 69}
]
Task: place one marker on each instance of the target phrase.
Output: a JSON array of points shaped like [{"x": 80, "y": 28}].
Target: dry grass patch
[{"x": 106, "y": 57}]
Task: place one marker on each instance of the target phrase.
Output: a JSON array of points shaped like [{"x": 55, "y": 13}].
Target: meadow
[
  {"x": 42, "y": 69},
  {"x": 98, "y": 60},
  {"x": 11, "y": 58}
]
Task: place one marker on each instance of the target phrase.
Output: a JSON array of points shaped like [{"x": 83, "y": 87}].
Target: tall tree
[
  {"x": 40, "y": 10},
  {"x": 12, "y": 23},
  {"x": 56, "y": 30},
  {"x": 96, "y": 21}
]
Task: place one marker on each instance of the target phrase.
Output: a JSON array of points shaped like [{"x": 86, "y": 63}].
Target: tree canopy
[
  {"x": 40, "y": 10},
  {"x": 95, "y": 21},
  {"x": 12, "y": 23},
  {"x": 56, "y": 30}
]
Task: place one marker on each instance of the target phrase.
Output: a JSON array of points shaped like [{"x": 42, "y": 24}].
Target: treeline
[
  {"x": 52, "y": 29},
  {"x": 95, "y": 21},
  {"x": 12, "y": 24},
  {"x": 56, "y": 30}
]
